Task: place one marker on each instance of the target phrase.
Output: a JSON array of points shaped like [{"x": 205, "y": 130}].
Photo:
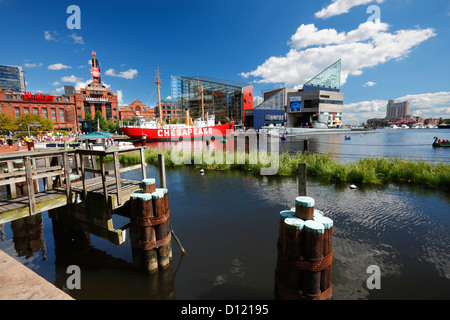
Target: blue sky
[{"x": 270, "y": 44}]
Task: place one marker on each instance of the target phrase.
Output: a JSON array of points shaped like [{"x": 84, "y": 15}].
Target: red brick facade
[
  {"x": 136, "y": 109},
  {"x": 61, "y": 111},
  {"x": 96, "y": 97}
]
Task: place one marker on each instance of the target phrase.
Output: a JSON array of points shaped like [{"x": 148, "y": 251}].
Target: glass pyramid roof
[{"x": 329, "y": 78}]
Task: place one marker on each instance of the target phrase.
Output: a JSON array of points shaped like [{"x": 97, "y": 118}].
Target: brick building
[
  {"x": 136, "y": 109},
  {"x": 59, "y": 109}
]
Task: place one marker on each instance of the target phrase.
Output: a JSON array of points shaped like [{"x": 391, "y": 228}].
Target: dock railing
[
  {"x": 53, "y": 167},
  {"x": 19, "y": 168},
  {"x": 103, "y": 172}
]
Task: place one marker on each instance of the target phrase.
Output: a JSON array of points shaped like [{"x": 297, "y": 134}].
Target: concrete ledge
[{"x": 17, "y": 282}]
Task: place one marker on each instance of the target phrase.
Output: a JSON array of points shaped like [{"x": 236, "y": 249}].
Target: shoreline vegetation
[{"x": 324, "y": 167}]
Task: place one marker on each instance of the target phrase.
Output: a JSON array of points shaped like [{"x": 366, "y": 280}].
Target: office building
[{"x": 11, "y": 77}]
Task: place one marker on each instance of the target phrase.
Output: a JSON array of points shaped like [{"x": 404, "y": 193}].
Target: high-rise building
[
  {"x": 397, "y": 110},
  {"x": 227, "y": 100},
  {"x": 12, "y": 78}
]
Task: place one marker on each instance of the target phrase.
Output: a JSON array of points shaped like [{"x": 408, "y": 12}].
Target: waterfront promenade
[{"x": 18, "y": 282}]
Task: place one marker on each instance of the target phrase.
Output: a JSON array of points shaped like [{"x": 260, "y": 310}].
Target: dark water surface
[{"x": 228, "y": 224}]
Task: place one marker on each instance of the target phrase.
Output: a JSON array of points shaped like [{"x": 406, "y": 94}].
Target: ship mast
[
  {"x": 200, "y": 89},
  {"x": 158, "y": 81}
]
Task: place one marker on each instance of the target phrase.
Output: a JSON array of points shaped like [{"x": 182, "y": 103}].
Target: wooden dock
[
  {"x": 23, "y": 172},
  {"x": 74, "y": 189}
]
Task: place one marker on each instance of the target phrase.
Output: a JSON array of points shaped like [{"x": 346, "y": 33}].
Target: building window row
[{"x": 26, "y": 110}]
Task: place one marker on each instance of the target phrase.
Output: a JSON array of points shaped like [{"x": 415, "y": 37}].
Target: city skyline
[{"x": 401, "y": 56}]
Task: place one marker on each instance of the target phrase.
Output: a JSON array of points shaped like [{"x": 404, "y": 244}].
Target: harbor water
[{"x": 228, "y": 223}]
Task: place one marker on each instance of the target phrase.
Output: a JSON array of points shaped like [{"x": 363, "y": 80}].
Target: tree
[
  {"x": 7, "y": 122},
  {"x": 28, "y": 119}
]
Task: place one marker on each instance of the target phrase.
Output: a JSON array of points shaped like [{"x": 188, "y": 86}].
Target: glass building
[
  {"x": 318, "y": 104},
  {"x": 225, "y": 99},
  {"x": 11, "y": 77},
  {"x": 328, "y": 79}
]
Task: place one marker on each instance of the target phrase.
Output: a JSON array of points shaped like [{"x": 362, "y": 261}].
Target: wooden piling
[
  {"x": 301, "y": 179},
  {"x": 304, "y": 208},
  {"x": 150, "y": 230},
  {"x": 303, "y": 270},
  {"x": 148, "y": 185},
  {"x": 144, "y": 258},
  {"x": 306, "y": 145},
  {"x": 325, "y": 276},
  {"x": 312, "y": 251}
]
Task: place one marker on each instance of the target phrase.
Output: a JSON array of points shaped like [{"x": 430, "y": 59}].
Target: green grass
[{"x": 324, "y": 167}]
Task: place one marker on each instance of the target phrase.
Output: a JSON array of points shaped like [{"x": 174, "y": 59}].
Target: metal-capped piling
[{"x": 305, "y": 254}]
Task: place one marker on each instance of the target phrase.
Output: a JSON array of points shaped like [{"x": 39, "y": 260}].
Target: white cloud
[
  {"x": 76, "y": 38},
  {"x": 313, "y": 50},
  {"x": 60, "y": 90},
  {"x": 426, "y": 105},
  {"x": 50, "y": 35},
  {"x": 338, "y": 7},
  {"x": 369, "y": 84},
  {"x": 58, "y": 66},
  {"x": 129, "y": 74},
  {"x": 72, "y": 79},
  {"x": 32, "y": 65},
  {"x": 56, "y": 83}
]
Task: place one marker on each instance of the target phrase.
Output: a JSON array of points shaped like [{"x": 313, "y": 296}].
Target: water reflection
[{"x": 228, "y": 223}]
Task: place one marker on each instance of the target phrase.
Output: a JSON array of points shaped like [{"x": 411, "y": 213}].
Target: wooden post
[
  {"x": 12, "y": 185},
  {"x": 142, "y": 234},
  {"x": 117, "y": 173},
  {"x": 148, "y": 185},
  {"x": 143, "y": 164},
  {"x": 162, "y": 171},
  {"x": 303, "y": 270},
  {"x": 162, "y": 229},
  {"x": 83, "y": 176},
  {"x": 29, "y": 176},
  {"x": 306, "y": 145},
  {"x": 67, "y": 175},
  {"x": 311, "y": 250},
  {"x": 304, "y": 208},
  {"x": 102, "y": 168},
  {"x": 150, "y": 230},
  {"x": 325, "y": 276},
  {"x": 301, "y": 179}
]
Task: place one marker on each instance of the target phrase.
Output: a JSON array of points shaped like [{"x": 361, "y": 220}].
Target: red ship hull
[{"x": 175, "y": 134}]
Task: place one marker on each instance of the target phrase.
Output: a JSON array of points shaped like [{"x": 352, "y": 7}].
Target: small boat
[
  {"x": 347, "y": 138},
  {"x": 439, "y": 143}
]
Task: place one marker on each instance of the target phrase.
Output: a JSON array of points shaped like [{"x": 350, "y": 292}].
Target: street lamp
[{"x": 20, "y": 125}]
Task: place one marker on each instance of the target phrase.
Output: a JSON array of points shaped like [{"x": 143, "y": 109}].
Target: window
[
  {"x": 54, "y": 115},
  {"x": 61, "y": 115},
  {"x": 17, "y": 112},
  {"x": 45, "y": 113},
  {"x": 36, "y": 111},
  {"x": 26, "y": 110}
]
